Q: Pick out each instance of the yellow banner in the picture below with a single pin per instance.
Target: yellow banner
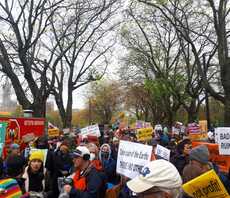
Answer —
(198, 136)
(144, 134)
(207, 185)
(53, 132)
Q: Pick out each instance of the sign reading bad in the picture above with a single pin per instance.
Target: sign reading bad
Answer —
(223, 134)
(132, 157)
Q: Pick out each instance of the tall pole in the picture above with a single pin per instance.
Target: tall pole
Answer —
(206, 96)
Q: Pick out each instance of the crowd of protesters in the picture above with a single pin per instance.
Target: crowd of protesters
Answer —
(79, 168)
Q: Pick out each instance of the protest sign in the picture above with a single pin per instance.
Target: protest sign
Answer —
(207, 185)
(91, 130)
(44, 151)
(203, 125)
(162, 152)
(223, 161)
(144, 134)
(223, 134)
(142, 124)
(195, 132)
(3, 126)
(53, 132)
(132, 157)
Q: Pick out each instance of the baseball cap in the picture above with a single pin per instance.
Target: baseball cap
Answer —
(80, 151)
(158, 173)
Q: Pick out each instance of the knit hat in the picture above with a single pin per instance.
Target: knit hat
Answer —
(37, 155)
(14, 146)
(158, 173)
(200, 154)
(14, 165)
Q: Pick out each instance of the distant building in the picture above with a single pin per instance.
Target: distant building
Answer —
(7, 104)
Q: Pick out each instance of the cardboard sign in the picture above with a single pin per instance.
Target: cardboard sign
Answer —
(194, 128)
(223, 161)
(207, 185)
(144, 134)
(142, 124)
(91, 130)
(203, 125)
(163, 152)
(53, 132)
(223, 134)
(132, 157)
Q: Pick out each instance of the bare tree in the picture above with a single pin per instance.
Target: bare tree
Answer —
(86, 28)
(22, 58)
(209, 20)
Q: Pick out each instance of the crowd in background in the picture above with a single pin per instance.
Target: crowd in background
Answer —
(77, 167)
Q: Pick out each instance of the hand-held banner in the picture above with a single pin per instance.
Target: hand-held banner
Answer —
(132, 157)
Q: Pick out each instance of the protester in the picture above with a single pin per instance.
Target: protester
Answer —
(94, 158)
(87, 182)
(14, 149)
(114, 148)
(108, 164)
(15, 169)
(62, 165)
(36, 177)
(199, 156)
(181, 158)
(158, 179)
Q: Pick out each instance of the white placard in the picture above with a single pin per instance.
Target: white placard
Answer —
(91, 130)
(162, 152)
(132, 157)
(223, 134)
(216, 136)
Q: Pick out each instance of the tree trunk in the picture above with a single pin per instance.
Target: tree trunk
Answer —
(61, 108)
(192, 111)
(39, 109)
(68, 118)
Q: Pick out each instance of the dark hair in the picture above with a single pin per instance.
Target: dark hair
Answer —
(180, 146)
(14, 165)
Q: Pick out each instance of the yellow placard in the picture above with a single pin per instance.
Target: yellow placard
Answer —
(208, 185)
(144, 134)
(53, 132)
(198, 136)
(203, 125)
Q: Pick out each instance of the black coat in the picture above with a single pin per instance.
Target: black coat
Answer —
(180, 161)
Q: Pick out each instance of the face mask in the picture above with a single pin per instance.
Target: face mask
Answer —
(92, 156)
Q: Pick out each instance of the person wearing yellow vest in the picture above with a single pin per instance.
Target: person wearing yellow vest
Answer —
(87, 182)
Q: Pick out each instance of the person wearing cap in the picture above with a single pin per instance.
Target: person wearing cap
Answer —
(158, 179)
(35, 175)
(199, 156)
(87, 182)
